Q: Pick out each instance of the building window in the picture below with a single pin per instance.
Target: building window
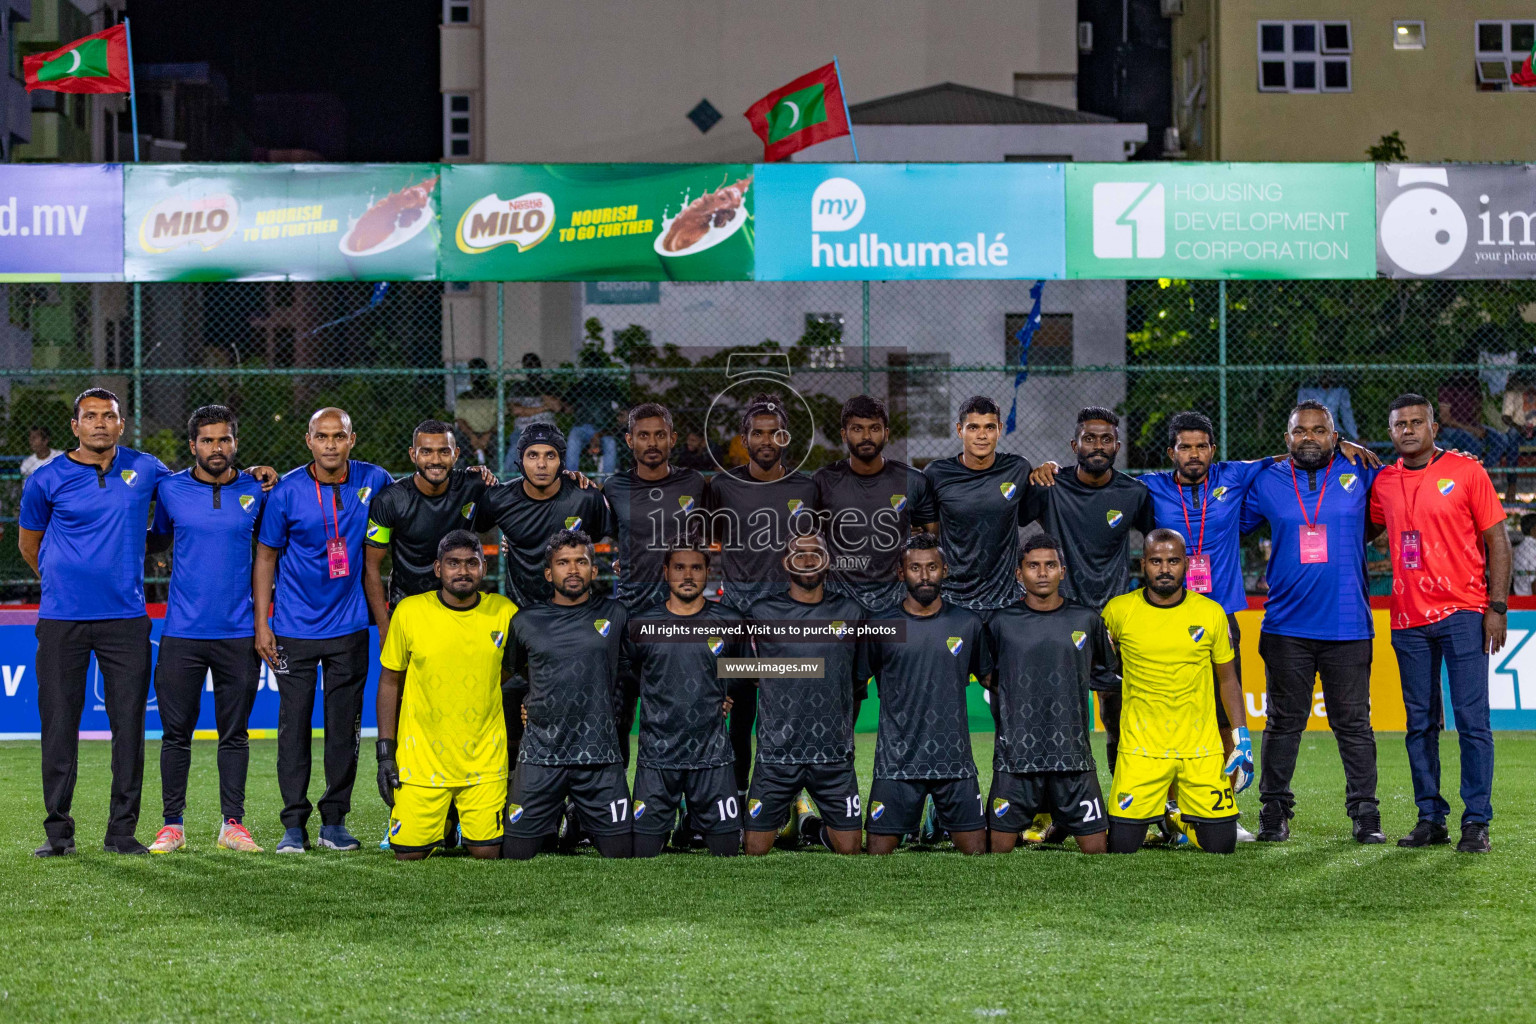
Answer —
(457, 12)
(1304, 56)
(918, 389)
(1502, 47)
(457, 118)
(1408, 35)
(1050, 350)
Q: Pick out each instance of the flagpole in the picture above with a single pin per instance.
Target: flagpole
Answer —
(133, 94)
(843, 93)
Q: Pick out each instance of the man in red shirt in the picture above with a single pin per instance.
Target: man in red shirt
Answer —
(1446, 528)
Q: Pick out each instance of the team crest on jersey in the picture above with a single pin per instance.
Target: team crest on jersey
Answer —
(468, 511)
(573, 522)
(1079, 638)
(716, 645)
(602, 626)
(1000, 807)
(514, 813)
(954, 644)
(1445, 486)
(1220, 494)
(130, 477)
(1197, 633)
(838, 627)
(898, 502)
(394, 826)
(246, 501)
(1009, 489)
(1124, 800)
(1113, 517)
(637, 809)
(364, 493)
(497, 636)
(1348, 481)
(685, 502)
(754, 808)
(876, 809)
(795, 504)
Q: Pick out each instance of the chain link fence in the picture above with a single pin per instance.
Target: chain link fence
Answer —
(489, 357)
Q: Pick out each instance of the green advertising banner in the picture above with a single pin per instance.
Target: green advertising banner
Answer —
(597, 222)
(297, 222)
(1149, 219)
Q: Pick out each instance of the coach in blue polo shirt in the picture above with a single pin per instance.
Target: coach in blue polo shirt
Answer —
(1317, 620)
(83, 519)
(311, 541)
(208, 516)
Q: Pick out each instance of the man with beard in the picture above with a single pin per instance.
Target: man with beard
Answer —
(869, 505)
(685, 754)
(1317, 619)
(1046, 650)
(83, 519)
(923, 748)
(805, 723)
(578, 649)
(442, 739)
(208, 515)
(1168, 639)
(752, 510)
(315, 522)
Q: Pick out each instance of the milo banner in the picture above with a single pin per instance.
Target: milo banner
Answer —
(61, 222)
(1214, 220)
(297, 222)
(1456, 220)
(597, 222)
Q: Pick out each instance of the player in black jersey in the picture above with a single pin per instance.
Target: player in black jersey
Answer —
(805, 722)
(923, 748)
(752, 509)
(1046, 651)
(979, 494)
(685, 754)
(578, 648)
(869, 505)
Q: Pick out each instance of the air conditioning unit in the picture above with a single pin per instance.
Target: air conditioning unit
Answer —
(1085, 37)
(1172, 8)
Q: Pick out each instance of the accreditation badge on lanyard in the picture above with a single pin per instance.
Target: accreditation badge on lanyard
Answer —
(1314, 534)
(1410, 543)
(1197, 573)
(335, 547)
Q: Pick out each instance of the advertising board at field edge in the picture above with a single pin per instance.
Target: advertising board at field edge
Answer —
(909, 222)
(293, 222)
(61, 222)
(1220, 220)
(598, 222)
(1456, 220)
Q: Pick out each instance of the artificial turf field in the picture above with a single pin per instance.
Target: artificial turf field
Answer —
(1318, 929)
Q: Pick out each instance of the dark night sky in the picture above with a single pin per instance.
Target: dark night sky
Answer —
(380, 57)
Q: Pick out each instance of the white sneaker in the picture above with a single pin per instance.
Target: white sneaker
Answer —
(169, 839)
(1244, 836)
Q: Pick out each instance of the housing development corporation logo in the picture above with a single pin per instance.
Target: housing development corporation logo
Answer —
(1129, 220)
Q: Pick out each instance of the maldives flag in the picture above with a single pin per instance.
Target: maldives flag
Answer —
(806, 111)
(1524, 76)
(97, 63)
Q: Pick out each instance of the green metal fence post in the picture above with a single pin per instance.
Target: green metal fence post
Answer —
(138, 364)
(864, 320)
(1221, 365)
(501, 399)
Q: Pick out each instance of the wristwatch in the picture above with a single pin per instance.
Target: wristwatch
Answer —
(1502, 607)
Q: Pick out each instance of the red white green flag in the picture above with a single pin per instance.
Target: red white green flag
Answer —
(1524, 76)
(97, 63)
(806, 111)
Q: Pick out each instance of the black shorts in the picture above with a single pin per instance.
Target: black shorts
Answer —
(600, 793)
(896, 805)
(713, 806)
(1072, 799)
(834, 788)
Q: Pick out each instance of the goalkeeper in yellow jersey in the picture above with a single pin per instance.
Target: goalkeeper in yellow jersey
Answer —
(442, 736)
(1168, 638)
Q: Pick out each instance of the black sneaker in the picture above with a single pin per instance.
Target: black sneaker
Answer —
(55, 848)
(1368, 828)
(1274, 826)
(124, 844)
(1426, 833)
(1474, 838)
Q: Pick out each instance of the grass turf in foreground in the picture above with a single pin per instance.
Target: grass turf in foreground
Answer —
(1317, 929)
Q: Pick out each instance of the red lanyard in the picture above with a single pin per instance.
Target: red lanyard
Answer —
(335, 523)
(1204, 487)
(1316, 512)
(1403, 472)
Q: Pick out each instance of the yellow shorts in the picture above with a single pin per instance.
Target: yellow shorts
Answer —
(421, 813)
(1139, 791)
